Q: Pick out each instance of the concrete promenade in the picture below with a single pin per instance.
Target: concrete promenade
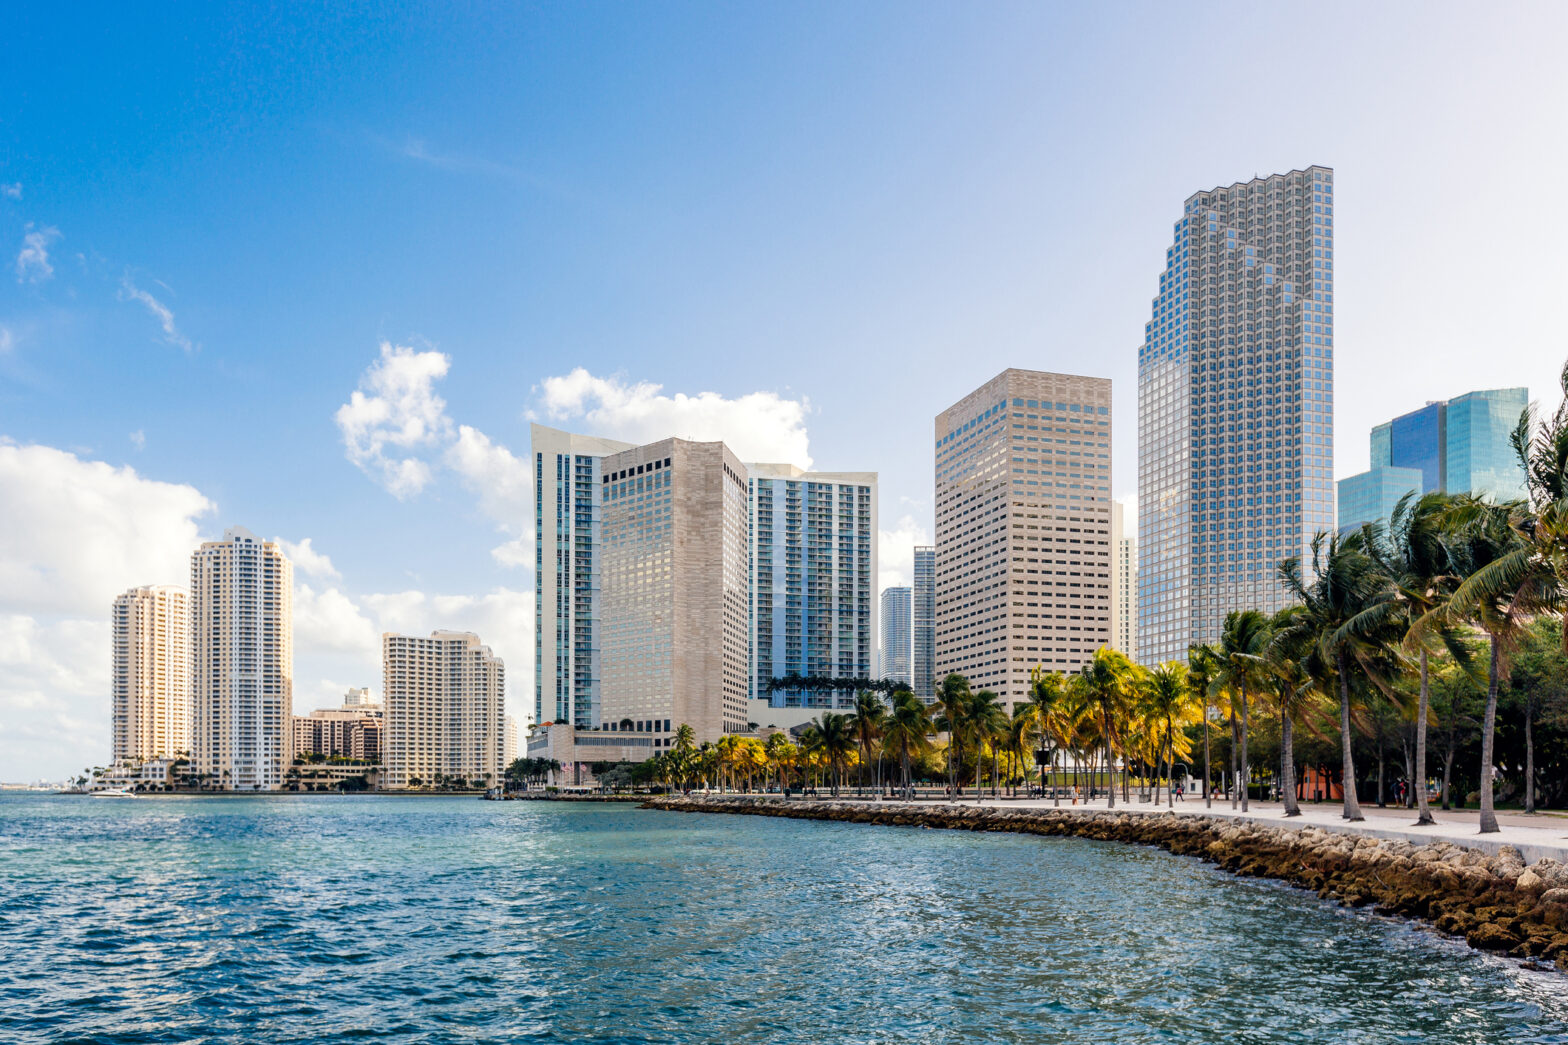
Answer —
(1536, 836)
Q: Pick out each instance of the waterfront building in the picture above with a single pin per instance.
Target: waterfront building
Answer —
(1235, 406)
(1124, 585)
(242, 628)
(567, 488)
(923, 615)
(351, 731)
(1023, 529)
(674, 598)
(445, 704)
(898, 651)
(150, 687)
(509, 743)
(139, 774)
(1458, 445)
(813, 566)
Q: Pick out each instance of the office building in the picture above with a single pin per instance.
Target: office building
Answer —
(1458, 445)
(567, 492)
(445, 705)
(923, 600)
(898, 648)
(1235, 406)
(242, 629)
(1124, 585)
(1023, 529)
(674, 596)
(813, 568)
(150, 705)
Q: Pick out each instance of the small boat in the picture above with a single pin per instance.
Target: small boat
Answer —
(113, 792)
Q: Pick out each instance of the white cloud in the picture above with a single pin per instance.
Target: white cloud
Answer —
(131, 292)
(7, 339)
(308, 560)
(32, 264)
(12, 191)
(501, 481)
(54, 695)
(330, 622)
(139, 439)
(759, 426)
(395, 408)
(75, 533)
(896, 553)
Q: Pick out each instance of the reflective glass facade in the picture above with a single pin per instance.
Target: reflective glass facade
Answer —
(1235, 406)
(923, 666)
(898, 647)
(1480, 457)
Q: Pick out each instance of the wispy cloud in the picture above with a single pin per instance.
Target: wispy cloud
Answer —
(11, 191)
(7, 339)
(138, 439)
(32, 264)
(129, 291)
(421, 151)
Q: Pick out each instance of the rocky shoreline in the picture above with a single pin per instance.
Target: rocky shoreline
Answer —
(1495, 902)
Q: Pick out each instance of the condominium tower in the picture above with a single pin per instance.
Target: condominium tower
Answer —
(813, 567)
(1235, 406)
(1124, 585)
(242, 635)
(898, 651)
(674, 601)
(923, 664)
(445, 709)
(151, 684)
(567, 486)
(1023, 529)
(1459, 445)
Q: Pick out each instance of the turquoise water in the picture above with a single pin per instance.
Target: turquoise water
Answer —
(316, 920)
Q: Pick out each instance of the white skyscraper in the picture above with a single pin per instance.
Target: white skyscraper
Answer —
(1124, 585)
(1235, 406)
(242, 627)
(445, 710)
(898, 648)
(151, 698)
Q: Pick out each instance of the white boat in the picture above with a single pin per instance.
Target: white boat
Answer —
(113, 792)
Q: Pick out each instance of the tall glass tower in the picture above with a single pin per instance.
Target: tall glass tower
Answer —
(923, 664)
(1235, 406)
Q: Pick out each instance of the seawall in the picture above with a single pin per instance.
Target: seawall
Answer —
(1492, 900)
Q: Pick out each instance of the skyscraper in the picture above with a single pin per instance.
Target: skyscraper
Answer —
(1124, 585)
(1235, 406)
(151, 697)
(813, 568)
(1459, 445)
(675, 581)
(445, 710)
(923, 665)
(897, 635)
(1023, 529)
(567, 491)
(242, 629)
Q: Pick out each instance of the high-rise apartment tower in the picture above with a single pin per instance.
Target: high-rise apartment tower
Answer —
(923, 665)
(1235, 406)
(242, 636)
(1124, 586)
(897, 635)
(445, 710)
(1023, 529)
(151, 698)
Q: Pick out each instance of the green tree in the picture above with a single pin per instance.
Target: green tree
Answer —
(1106, 682)
(952, 703)
(904, 734)
(1244, 639)
(866, 722)
(1168, 698)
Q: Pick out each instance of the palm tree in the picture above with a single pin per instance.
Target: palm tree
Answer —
(1020, 731)
(904, 734)
(1202, 663)
(1243, 640)
(988, 723)
(1345, 583)
(1047, 698)
(952, 700)
(1167, 698)
(685, 755)
(833, 740)
(1293, 675)
(1505, 586)
(866, 721)
(1105, 685)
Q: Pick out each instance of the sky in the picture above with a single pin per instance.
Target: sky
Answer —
(314, 273)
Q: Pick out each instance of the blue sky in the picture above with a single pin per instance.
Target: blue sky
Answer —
(833, 220)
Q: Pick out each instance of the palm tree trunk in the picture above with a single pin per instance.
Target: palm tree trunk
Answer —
(1110, 789)
(1208, 791)
(1448, 772)
(1418, 782)
(1529, 756)
(1287, 760)
(1246, 773)
(1488, 815)
(1170, 762)
(1235, 742)
(1352, 807)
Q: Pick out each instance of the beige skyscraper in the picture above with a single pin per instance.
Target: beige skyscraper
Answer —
(1124, 584)
(242, 628)
(151, 699)
(674, 600)
(1023, 529)
(445, 702)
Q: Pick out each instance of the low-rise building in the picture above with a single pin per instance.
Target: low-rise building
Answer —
(150, 774)
(351, 731)
(577, 749)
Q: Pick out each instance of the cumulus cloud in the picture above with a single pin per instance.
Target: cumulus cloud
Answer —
(758, 426)
(394, 414)
(896, 552)
(501, 482)
(32, 264)
(54, 695)
(129, 291)
(330, 622)
(308, 560)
